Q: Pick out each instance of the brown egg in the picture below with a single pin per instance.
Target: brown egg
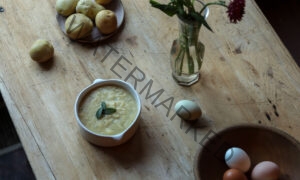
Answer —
(234, 174)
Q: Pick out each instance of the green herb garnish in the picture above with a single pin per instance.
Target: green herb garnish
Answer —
(109, 111)
(103, 110)
(103, 105)
(99, 113)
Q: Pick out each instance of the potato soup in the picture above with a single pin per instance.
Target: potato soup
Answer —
(114, 97)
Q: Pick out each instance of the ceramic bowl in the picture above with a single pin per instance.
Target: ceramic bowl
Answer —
(108, 140)
(259, 142)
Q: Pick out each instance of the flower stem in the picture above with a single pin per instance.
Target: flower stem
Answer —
(221, 3)
(179, 60)
(188, 38)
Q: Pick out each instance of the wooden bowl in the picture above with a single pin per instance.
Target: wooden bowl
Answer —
(261, 144)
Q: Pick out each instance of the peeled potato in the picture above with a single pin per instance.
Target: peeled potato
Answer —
(41, 50)
(66, 7)
(78, 26)
(103, 2)
(106, 21)
(88, 8)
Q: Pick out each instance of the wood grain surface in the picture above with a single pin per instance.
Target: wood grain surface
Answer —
(248, 76)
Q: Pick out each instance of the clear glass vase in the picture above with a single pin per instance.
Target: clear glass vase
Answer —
(187, 53)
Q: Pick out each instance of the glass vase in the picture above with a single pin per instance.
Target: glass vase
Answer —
(187, 53)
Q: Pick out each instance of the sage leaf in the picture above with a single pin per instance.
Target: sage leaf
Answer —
(99, 112)
(103, 110)
(103, 105)
(109, 111)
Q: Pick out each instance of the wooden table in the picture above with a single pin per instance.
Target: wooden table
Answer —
(248, 77)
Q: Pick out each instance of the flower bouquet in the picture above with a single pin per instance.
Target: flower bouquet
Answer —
(187, 52)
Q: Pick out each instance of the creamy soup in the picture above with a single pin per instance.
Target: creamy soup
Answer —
(114, 97)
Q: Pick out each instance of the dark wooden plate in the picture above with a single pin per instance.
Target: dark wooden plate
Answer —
(116, 6)
(261, 144)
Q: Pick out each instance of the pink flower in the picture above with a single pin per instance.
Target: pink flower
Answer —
(236, 10)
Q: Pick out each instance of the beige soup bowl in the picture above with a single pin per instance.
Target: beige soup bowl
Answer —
(108, 140)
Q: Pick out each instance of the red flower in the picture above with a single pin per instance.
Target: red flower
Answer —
(236, 10)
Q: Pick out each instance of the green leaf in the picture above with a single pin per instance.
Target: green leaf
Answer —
(99, 113)
(103, 110)
(103, 105)
(169, 9)
(201, 20)
(109, 111)
(207, 26)
(181, 12)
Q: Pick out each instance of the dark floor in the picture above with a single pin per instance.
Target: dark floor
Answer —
(13, 161)
(284, 16)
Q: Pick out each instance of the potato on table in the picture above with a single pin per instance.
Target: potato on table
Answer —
(41, 50)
